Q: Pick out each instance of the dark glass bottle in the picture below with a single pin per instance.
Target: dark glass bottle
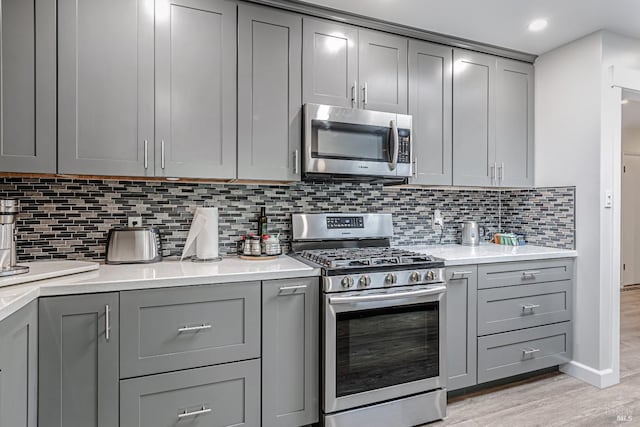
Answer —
(262, 222)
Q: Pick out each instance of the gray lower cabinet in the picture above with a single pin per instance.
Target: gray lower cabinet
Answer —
(220, 396)
(269, 93)
(524, 273)
(329, 63)
(462, 283)
(195, 89)
(19, 368)
(105, 87)
(78, 361)
(169, 329)
(430, 97)
(514, 123)
(290, 356)
(28, 86)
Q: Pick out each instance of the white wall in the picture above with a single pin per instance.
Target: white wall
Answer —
(631, 141)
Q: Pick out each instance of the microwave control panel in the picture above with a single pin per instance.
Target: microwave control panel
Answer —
(404, 146)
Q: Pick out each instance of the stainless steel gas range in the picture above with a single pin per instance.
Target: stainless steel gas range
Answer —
(383, 322)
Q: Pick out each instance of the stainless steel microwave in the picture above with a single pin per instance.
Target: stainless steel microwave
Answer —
(343, 143)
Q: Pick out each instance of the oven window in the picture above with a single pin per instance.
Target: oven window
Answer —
(386, 346)
(333, 140)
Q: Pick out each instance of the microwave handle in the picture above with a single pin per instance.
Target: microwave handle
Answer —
(396, 144)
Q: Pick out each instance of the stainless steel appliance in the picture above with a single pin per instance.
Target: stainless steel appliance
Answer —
(348, 143)
(471, 233)
(9, 209)
(133, 245)
(383, 316)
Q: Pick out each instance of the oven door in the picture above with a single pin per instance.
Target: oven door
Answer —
(383, 344)
(345, 141)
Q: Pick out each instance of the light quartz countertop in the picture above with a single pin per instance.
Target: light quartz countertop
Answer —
(490, 252)
(111, 278)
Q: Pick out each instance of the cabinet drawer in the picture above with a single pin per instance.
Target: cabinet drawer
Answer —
(524, 273)
(512, 353)
(224, 395)
(517, 307)
(178, 328)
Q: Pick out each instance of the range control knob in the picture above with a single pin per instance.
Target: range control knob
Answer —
(431, 275)
(364, 281)
(390, 279)
(415, 276)
(347, 282)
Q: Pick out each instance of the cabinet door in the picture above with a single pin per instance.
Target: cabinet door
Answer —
(383, 71)
(430, 95)
(196, 89)
(329, 63)
(290, 363)
(28, 86)
(269, 93)
(514, 123)
(474, 77)
(19, 368)
(105, 87)
(462, 283)
(78, 361)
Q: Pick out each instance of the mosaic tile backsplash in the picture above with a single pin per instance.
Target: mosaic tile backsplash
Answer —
(70, 218)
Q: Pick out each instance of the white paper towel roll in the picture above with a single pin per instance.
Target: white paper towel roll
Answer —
(202, 240)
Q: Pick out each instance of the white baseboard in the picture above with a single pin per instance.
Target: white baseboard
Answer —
(599, 378)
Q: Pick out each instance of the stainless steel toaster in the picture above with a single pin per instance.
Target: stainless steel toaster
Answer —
(133, 245)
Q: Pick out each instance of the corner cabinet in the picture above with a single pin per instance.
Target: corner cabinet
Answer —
(78, 361)
(430, 93)
(269, 93)
(19, 368)
(28, 86)
(290, 354)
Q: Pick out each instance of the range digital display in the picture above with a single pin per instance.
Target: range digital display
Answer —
(345, 222)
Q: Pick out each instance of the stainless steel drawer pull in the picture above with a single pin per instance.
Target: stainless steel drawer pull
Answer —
(296, 162)
(194, 328)
(186, 413)
(529, 351)
(107, 322)
(531, 307)
(292, 288)
(146, 154)
(460, 274)
(162, 154)
(529, 274)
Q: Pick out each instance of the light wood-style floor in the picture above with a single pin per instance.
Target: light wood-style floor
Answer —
(558, 399)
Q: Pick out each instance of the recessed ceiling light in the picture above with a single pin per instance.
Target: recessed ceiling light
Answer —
(624, 101)
(538, 24)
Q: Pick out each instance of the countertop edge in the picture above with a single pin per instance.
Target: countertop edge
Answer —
(508, 258)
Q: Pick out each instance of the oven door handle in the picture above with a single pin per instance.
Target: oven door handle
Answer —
(384, 297)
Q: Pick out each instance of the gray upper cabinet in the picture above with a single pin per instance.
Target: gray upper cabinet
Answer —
(462, 291)
(78, 361)
(330, 63)
(474, 110)
(105, 87)
(19, 368)
(514, 123)
(430, 96)
(196, 89)
(269, 93)
(290, 362)
(382, 71)
(28, 86)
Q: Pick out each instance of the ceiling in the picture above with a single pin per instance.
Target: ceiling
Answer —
(503, 22)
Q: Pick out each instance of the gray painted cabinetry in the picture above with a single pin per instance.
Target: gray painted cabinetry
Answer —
(269, 93)
(19, 368)
(290, 356)
(430, 97)
(78, 361)
(28, 86)
(462, 283)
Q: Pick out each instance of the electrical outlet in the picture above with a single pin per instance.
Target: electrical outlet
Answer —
(134, 221)
(438, 219)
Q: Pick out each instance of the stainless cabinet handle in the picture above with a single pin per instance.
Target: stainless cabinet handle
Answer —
(531, 307)
(354, 94)
(146, 154)
(529, 351)
(186, 413)
(415, 167)
(107, 322)
(461, 274)
(365, 95)
(492, 173)
(529, 274)
(195, 328)
(501, 173)
(296, 162)
(292, 288)
(162, 154)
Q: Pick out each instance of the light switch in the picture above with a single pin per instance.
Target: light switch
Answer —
(608, 199)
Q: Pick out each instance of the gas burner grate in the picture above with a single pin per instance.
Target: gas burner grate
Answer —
(364, 257)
